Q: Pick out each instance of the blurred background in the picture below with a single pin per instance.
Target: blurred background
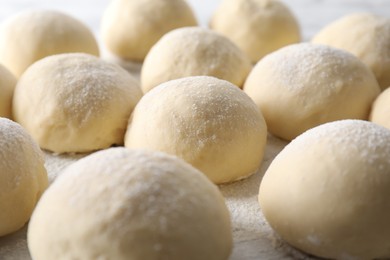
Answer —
(312, 14)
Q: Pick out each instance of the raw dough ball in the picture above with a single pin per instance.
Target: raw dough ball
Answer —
(123, 204)
(380, 113)
(131, 27)
(194, 51)
(33, 35)
(258, 27)
(7, 86)
(365, 35)
(23, 177)
(328, 191)
(304, 85)
(208, 122)
(75, 102)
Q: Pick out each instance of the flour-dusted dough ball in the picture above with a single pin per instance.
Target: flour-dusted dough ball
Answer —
(75, 102)
(365, 35)
(194, 51)
(122, 204)
(304, 85)
(131, 27)
(208, 122)
(328, 191)
(7, 86)
(380, 112)
(23, 177)
(258, 27)
(33, 35)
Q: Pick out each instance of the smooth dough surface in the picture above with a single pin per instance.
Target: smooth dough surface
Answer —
(194, 51)
(7, 86)
(127, 204)
(75, 102)
(258, 27)
(33, 35)
(328, 191)
(131, 28)
(365, 35)
(380, 112)
(208, 122)
(23, 177)
(304, 85)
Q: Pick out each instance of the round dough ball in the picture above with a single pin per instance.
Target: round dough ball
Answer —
(380, 113)
(23, 176)
(33, 35)
(258, 27)
(124, 204)
(304, 85)
(365, 35)
(328, 191)
(194, 51)
(75, 102)
(208, 122)
(7, 86)
(131, 27)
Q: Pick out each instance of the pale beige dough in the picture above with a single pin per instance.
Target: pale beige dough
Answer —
(208, 122)
(380, 113)
(129, 204)
(194, 51)
(32, 35)
(365, 35)
(7, 86)
(328, 191)
(304, 85)
(23, 177)
(131, 27)
(75, 102)
(258, 27)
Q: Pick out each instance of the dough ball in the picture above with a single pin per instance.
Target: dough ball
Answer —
(7, 86)
(208, 122)
(258, 27)
(380, 113)
(304, 85)
(124, 204)
(194, 51)
(365, 35)
(328, 192)
(131, 27)
(75, 102)
(33, 35)
(23, 176)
